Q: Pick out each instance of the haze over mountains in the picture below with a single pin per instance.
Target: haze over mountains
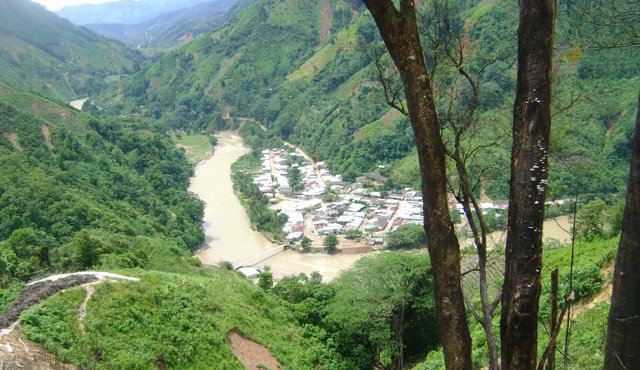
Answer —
(124, 12)
(171, 28)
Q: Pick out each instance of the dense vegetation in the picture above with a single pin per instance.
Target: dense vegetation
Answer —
(254, 201)
(45, 53)
(380, 312)
(167, 320)
(78, 191)
(329, 99)
(591, 259)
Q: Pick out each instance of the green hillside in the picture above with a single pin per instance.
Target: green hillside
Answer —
(237, 66)
(167, 320)
(78, 191)
(42, 52)
(271, 63)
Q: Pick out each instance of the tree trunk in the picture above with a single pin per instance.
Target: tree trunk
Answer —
(553, 317)
(623, 331)
(531, 126)
(399, 32)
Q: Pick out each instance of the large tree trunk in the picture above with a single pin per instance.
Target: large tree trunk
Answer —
(399, 31)
(531, 126)
(623, 331)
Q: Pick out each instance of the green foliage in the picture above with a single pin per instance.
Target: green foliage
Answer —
(196, 147)
(253, 200)
(330, 243)
(354, 322)
(9, 294)
(172, 320)
(495, 219)
(326, 98)
(407, 236)
(45, 53)
(295, 179)
(353, 234)
(597, 219)
(588, 330)
(54, 325)
(86, 194)
(226, 265)
(589, 259)
(265, 279)
(305, 243)
(383, 305)
(588, 338)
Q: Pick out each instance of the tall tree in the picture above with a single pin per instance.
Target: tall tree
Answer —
(455, 73)
(399, 30)
(623, 330)
(527, 187)
(609, 24)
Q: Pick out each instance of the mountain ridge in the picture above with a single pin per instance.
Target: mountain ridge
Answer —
(169, 29)
(42, 52)
(124, 11)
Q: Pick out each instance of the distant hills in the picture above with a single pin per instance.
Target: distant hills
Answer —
(42, 52)
(125, 12)
(168, 29)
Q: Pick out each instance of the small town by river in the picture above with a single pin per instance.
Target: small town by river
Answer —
(229, 236)
(228, 232)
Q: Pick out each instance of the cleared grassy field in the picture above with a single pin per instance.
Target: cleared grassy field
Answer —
(196, 147)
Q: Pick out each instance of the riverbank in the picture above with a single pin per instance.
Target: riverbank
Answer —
(228, 232)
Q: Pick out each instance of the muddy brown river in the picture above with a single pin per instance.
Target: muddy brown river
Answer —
(229, 236)
(228, 232)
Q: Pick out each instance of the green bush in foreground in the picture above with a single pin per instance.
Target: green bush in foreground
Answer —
(177, 321)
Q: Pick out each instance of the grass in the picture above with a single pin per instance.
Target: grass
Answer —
(484, 7)
(168, 320)
(344, 40)
(196, 147)
(586, 343)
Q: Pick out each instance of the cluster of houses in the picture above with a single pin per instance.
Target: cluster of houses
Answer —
(351, 206)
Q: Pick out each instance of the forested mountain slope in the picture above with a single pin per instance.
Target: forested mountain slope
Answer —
(305, 70)
(42, 52)
(78, 191)
(170, 29)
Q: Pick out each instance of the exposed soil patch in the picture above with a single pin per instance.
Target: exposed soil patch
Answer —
(47, 136)
(35, 293)
(325, 20)
(390, 117)
(13, 138)
(16, 352)
(603, 296)
(253, 355)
